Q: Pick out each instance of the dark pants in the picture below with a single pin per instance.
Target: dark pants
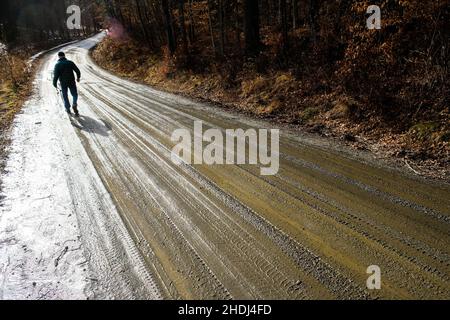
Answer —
(73, 91)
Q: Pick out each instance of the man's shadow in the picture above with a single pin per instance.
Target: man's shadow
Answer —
(87, 124)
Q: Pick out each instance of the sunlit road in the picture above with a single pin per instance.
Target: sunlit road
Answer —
(152, 229)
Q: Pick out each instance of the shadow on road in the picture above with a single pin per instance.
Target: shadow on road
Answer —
(88, 124)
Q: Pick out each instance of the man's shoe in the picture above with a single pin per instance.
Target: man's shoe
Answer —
(75, 110)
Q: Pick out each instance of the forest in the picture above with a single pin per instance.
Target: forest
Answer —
(43, 21)
(308, 63)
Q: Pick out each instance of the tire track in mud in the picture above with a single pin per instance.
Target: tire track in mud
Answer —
(161, 226)
(138, 96)
(334, 282)
(402, 247)
(226, 232)
(234, 243)
(382, 243)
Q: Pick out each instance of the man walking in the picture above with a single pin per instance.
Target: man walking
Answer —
(63, 72)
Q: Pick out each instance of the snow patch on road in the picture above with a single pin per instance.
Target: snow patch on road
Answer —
(41, 256)
(61, 235)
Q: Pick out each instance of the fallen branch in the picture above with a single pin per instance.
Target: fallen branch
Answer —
(60, 256)
(409, 166)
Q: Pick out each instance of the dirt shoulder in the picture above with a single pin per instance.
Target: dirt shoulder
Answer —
(422, 148)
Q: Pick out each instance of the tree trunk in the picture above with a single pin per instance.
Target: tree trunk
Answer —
(284, 25)
(142, 23)
(294, 14)
(251, 27)
(312, 18)
(183, 27)
(191, 23)
(211, 31)
(169, 31)
(222, 28)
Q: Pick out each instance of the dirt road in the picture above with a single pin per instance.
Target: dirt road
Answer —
(147, 228)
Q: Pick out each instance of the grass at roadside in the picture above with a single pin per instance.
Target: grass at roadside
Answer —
(11, 101)
(15, 87)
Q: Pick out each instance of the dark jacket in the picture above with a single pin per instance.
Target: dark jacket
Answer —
(63, 72)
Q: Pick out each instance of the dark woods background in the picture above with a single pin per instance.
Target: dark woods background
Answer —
(40, 21)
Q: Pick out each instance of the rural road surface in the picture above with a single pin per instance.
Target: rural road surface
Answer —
(95, 208)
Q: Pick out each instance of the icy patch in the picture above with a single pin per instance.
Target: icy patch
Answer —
(61, 236)
(40, 248)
